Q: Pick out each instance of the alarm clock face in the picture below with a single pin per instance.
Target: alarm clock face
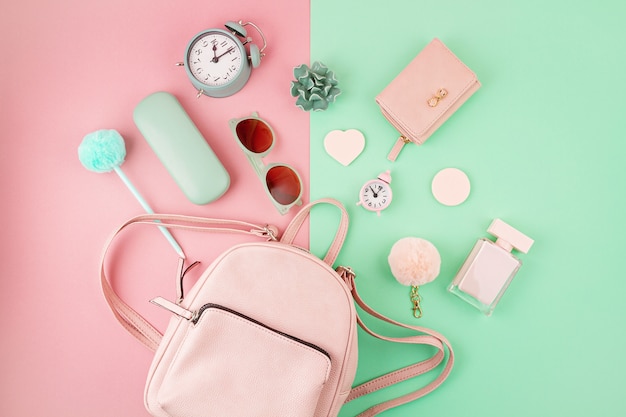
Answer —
(215, 58)
(375, 195)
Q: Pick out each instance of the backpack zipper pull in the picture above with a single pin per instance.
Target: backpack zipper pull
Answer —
(173, 308)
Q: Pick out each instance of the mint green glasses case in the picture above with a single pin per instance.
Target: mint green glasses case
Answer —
(182, 149)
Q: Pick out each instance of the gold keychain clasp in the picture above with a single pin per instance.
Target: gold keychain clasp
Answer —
(416, 300)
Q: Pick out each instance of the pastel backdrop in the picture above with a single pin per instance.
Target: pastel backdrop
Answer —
(70, 68)
(541, 143)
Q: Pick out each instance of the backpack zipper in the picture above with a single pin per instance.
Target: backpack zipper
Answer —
(258, 323)
(194, 317)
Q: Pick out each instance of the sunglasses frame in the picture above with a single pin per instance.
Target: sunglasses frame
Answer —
(260, 168)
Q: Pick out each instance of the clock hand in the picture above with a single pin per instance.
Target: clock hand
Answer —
(214, 53)
(229, 50)
(374, 192)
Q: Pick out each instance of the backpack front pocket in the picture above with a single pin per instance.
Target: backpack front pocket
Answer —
(229, 364)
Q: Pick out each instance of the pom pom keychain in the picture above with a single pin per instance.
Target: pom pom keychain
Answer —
(414, 262)
(104, 151)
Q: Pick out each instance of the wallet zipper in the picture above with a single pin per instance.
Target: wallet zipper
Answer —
(194, 317)
(401, 141)
(405, 137)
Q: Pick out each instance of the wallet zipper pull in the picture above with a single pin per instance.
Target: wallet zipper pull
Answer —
(173, 308)
(397, 147)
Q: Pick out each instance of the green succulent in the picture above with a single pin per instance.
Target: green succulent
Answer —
(315, 87)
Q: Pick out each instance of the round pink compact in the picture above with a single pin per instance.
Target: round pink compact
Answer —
(451, 186)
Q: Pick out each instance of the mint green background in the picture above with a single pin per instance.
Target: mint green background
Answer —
(542, 142)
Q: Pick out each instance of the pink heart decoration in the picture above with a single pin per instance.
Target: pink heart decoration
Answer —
(344, 146)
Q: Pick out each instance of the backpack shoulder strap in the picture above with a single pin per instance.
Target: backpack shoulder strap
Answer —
(132, 321)
(295, 225)
(425, 337)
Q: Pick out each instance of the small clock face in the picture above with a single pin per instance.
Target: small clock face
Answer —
(215, 59)
(375, 195)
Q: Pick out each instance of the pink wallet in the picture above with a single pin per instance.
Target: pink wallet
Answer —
(425, 93)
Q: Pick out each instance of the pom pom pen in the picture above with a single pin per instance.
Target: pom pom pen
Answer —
(414, 262)
(104, 151)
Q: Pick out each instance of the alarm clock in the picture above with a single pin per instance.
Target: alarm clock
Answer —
(375, 195)
(217, 62)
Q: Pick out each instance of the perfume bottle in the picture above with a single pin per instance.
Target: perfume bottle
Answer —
(490, 267)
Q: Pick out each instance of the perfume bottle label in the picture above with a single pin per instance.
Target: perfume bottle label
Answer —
(488, 272)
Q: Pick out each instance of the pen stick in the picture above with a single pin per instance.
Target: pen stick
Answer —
(104, 151)
(148, 210)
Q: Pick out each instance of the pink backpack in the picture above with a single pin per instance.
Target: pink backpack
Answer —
(267, 330)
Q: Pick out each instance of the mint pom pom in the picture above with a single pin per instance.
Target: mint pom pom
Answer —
(102, 150)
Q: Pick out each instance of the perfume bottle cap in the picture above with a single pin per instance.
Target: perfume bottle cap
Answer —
(509, 237)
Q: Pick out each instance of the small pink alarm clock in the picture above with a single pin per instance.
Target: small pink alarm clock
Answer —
(375, 195)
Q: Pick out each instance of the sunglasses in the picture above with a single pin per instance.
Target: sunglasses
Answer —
(282, 183)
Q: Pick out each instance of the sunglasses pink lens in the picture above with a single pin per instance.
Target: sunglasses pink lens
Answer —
(255, 135)
(283, 184)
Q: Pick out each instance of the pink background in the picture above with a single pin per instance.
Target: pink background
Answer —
(72, 67)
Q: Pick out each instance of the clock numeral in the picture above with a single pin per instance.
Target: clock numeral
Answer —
(224, 43)
(197, 51)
